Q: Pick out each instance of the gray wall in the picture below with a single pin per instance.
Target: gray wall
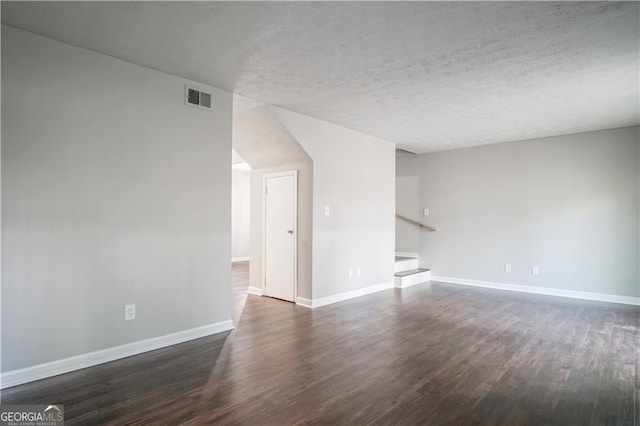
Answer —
(567, 204)
(113, 192)
(353, 174)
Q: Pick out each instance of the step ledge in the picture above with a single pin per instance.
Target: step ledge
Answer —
(411, 280)
(411, 272)
(406, 254)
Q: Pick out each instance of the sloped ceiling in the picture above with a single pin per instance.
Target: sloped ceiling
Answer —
(262, 140)
(425, 75)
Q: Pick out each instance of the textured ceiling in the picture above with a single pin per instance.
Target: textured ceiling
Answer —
(426, 75)
(263, 141)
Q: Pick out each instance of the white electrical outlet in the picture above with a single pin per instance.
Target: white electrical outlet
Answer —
(535, 270)
(425, 212)
(327, 210)
(507, 267)
(350, 272)
(129, 312)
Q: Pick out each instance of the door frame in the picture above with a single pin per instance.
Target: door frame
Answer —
(265, 177)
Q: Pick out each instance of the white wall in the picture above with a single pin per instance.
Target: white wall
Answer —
(113, 192)
(240, 212)
(353, 174)
(567, 204)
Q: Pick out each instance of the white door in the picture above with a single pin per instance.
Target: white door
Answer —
(280, 214)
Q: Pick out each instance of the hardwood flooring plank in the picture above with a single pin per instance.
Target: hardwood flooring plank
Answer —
(434, 354)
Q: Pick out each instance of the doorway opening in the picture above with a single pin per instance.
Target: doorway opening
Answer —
(240, 232)
(280, 235)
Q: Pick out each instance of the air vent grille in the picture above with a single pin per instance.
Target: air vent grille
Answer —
(197, 98)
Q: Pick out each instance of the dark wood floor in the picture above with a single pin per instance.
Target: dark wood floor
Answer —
(239, 287)
(436, 354)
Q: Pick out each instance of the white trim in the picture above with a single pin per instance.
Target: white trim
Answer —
(406, 254)
(304, 302)
(266, 176)
(257, 291)
(405, 264)
(240, 259)
(323, 301)
(65, 365)
(600, 297)
(413, 279)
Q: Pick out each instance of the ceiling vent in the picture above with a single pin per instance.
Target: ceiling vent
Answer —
(197, 98)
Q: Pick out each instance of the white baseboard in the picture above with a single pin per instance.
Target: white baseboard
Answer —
(240, 259)
(53, 368)
(600, 297)
(304, 302)
(255, 291)
(322, 301)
